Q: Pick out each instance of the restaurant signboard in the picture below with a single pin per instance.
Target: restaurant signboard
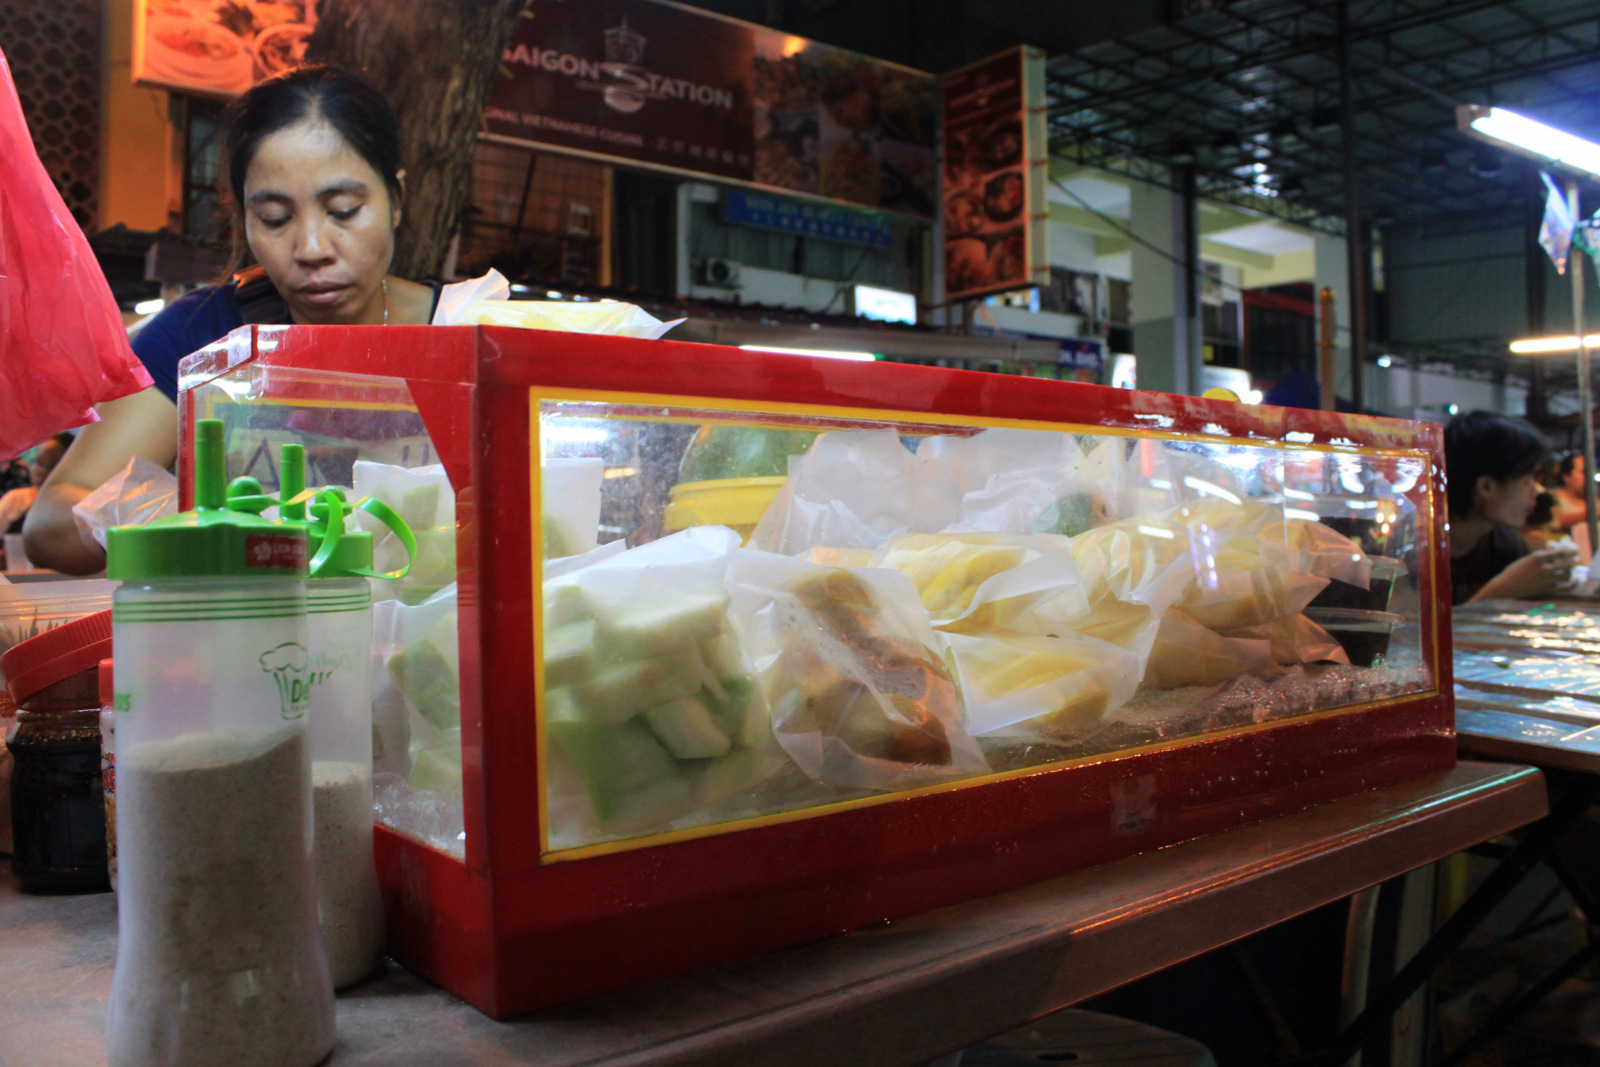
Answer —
(996, 233)
(655, 84)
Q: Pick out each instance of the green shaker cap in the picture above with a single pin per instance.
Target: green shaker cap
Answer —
(212, 540)
(340, 550)
(349, 555)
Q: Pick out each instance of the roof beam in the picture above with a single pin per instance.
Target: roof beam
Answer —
(1209, 249)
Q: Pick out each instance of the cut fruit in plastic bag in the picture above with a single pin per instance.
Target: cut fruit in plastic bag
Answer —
(1040, 686)
(1004, 481)
(63, 348)
(570, 512)
(1296, 640)
(1187, 653)
(976, 582)
(851, 490)
(422, 496)
(612, 317)
(649, 695)
(861, 697)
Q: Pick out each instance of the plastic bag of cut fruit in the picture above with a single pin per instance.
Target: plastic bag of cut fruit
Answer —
(652, 710)
(860, 693)
(63, 348)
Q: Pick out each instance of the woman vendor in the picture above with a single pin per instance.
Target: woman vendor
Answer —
(1492, 466)
(313, 164)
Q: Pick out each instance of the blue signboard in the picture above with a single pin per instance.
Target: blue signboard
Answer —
(806, 220)
(1082, 352)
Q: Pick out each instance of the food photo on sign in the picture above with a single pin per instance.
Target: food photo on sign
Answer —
(987, 174)
(219, 47)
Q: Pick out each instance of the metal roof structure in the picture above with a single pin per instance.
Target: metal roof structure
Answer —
(1247, 94)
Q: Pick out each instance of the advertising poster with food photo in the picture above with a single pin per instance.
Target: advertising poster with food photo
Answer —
(672, 87)
(218, 47)
(994, 237)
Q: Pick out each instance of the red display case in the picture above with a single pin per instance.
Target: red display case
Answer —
(519, 910)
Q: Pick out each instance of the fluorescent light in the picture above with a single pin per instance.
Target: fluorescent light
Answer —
(621, 472)
(1529, 136)
(1205, 488)
(1532, 346)
(1156, 531)
(149, 307)
(552, 294)
(1298, 513)
(859, 357)
(1454, 409)
(1386, 362)
(1297, 494)
(1253, 396)
(1160, 483)
(575, 435)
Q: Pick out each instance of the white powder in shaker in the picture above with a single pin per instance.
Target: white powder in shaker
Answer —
(348, 902)
(218, 961)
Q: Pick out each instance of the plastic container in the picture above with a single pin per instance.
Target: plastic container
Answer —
(735, 502)
(108, 764)
(29, 610)
(1381, 527)
(57, 814)
(1364, 635)
(218, 955)
(1385, 573)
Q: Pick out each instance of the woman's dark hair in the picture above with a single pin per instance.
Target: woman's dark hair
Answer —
(1487, 443)
(1567, 463)
(344, 101)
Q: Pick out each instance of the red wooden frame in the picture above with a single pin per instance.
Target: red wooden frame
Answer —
(509, 933)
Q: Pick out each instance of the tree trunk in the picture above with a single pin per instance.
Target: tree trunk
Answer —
(436, 62)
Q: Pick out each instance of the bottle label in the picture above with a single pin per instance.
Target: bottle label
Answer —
(275, 552)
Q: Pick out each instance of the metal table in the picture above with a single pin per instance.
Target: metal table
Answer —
(893, 996)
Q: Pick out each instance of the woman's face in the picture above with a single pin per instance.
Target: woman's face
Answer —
(321, 223)
(1573, 482)
(1507, 502)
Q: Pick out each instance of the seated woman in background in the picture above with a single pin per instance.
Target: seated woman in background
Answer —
(1570, 509)
(315, 184)
(1492, 465)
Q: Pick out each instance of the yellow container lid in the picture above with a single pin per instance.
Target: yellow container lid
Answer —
(738, 502)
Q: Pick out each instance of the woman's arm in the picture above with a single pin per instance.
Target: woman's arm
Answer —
(1570, 510)
(144, 424)
(1538, 574)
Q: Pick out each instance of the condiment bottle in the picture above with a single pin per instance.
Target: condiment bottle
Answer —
(218, 956)
(339, 625)
(108, 764)
(57, 815)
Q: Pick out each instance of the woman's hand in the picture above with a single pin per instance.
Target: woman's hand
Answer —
(144, 424)
(1538, 574)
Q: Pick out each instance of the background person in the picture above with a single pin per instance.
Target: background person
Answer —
(1492, 465)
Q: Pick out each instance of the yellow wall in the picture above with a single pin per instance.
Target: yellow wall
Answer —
(135, 134)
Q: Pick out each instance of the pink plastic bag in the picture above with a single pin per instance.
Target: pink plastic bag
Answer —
(63, 348)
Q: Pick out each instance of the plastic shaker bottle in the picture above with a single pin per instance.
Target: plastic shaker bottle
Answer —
(339, 625)
(218, 956)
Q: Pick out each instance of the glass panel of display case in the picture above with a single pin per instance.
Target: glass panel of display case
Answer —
(364, 433)
(752, 615)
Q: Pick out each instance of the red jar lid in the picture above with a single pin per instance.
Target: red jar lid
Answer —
(107, 691)
(56, 654)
